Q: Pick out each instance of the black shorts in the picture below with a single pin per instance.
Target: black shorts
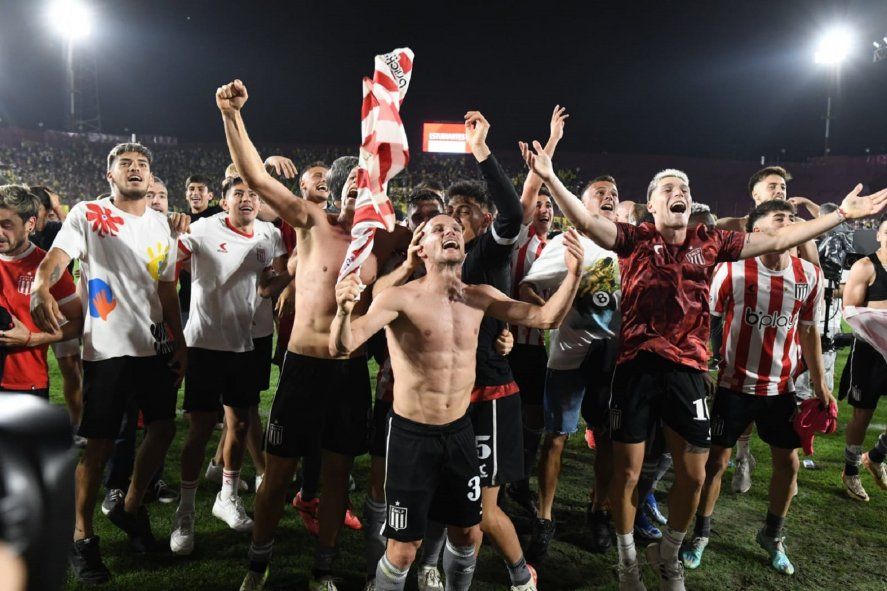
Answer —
(498, 432)
(648, 389)
(320, 403)
(732, 413)
(597, 368)
(528, 365)
(379, 427)
(215, 377)
(864, 380)
(263, 349)
(431, 473)
(111, 385)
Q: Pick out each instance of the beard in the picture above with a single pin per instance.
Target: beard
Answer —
(132, 194)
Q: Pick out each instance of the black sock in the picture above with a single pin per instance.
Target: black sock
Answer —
(703, 526)
(773, 525)
(880, 450)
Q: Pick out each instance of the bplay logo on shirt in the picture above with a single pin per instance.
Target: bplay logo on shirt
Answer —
(101, 299)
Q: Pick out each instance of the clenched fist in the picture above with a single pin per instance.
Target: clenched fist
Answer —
(348, 292)
(231, 97)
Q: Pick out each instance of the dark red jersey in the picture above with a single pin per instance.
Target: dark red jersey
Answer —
(665, 289)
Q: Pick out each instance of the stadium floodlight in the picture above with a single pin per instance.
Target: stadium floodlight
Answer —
(834, 47)
(72, 19)
(876, 44)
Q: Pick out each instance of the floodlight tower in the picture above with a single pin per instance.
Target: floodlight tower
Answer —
(73, 20)
(833, 49)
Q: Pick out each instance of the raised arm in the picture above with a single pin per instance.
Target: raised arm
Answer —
(598, 228)
(551, 313)
(347, 335)
(509, 220)
(853, 207)
(230, 98)
(533, 182)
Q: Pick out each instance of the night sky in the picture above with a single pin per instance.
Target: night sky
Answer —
(722, 79)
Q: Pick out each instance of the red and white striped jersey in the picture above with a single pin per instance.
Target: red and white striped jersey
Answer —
(761, 309)
(526, 250)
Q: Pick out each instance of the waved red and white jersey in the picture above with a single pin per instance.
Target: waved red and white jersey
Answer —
(761, 309)
(526, 250)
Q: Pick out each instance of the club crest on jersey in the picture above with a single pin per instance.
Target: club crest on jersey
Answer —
(694, 257)
(397, 517)
(24, 284)
(261, 255)
(801, 291)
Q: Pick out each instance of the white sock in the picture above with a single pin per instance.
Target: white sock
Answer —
(742, 445)
(625, 546)
(230, 481)
(187, 492)
(671, 543)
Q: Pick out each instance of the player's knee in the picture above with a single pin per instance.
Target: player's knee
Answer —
(555, 442)
(716, 465)
(465, 536)
(402, 554)
(163, 430)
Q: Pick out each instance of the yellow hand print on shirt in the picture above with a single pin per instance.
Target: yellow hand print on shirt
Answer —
(157, 260)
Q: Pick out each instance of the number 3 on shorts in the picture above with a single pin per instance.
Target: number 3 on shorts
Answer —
(701, 410)
(474, 489)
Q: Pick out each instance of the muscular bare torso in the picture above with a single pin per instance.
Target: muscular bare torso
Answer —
(322, 249)
(432, 345)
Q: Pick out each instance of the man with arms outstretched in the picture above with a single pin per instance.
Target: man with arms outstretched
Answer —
(432, 469)
(666, 270)
(321, 400)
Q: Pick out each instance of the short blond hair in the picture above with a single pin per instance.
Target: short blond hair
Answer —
(666, 173)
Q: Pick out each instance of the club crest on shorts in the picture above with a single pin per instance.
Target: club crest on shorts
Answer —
(615, 419)
(275, 434)
(397, 517)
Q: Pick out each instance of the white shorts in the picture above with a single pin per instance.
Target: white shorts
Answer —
(67, 348)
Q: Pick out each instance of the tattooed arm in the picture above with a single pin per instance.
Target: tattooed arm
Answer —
(44, 309)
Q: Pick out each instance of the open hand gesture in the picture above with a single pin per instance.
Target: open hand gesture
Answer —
(855, 206)
(231, 97)
(537, 160)
(558, 119)
(574, 253)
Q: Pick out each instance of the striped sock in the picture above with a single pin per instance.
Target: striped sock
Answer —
(670, 544)
(879, 452)
(187, 492)
(852, 458)
(230, 481)
(625, 546)
(260, 555)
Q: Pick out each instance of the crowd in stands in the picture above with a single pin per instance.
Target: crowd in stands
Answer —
(74, 168)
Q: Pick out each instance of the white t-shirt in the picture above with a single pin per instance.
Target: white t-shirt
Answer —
(595, 311)
(263, 320)
(122, 257)
(225, 268)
